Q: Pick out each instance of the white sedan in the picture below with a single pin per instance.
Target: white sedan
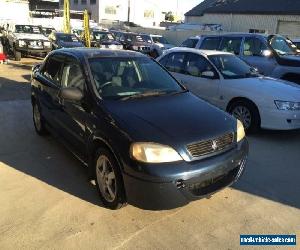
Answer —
(229, 83)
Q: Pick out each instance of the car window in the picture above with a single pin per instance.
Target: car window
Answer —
(211, 43)
(116, 78)
(163, 61)
(196, 65)
(254, 47)
(176, 62)
(52, 69)
(189, 43)
(72, 76)
(231, 45)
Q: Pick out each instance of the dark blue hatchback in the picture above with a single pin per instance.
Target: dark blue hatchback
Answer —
(145, 139)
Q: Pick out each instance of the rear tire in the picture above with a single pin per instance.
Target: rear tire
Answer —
(247, 113)
(109, 180)
(38, 121)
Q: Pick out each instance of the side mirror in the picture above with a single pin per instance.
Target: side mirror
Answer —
(208, 74)
(267, 53)
(71, 94)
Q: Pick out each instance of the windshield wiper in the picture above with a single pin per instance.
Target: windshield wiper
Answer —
(146, 94)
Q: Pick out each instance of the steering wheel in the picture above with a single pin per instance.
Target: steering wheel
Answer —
(104, 85)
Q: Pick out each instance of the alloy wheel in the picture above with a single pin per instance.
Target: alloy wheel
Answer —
(243, 114)
(106, 178)
(37, 117)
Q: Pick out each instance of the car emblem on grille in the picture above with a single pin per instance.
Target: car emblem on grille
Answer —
(214, 145)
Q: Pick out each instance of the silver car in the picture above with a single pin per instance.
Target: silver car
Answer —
(272, 55)
(229, 83)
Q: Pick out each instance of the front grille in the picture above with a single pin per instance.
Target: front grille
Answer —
(210, 146)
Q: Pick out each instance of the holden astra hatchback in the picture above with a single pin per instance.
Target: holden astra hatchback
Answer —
(229, 83)
(144, 138)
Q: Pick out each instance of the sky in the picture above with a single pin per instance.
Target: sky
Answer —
(183, 5)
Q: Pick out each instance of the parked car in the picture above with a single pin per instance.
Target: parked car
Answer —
(144, 138)
(104, 39)
(158, 44)
(27, 39)
(229, 83)
(64, 40)
(297, 43)
(272, 55)
(133, 41)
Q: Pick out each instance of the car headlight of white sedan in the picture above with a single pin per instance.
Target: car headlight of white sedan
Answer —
(286, 105)
(240, 131)
(21, 43)
(153, 153)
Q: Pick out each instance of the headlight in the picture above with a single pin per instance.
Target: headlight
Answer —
(21, 43)
(135, 47)
(240, 131)
(285, 105)
(153, 153)
(47, 44)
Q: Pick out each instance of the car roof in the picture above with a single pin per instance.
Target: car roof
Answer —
(156, 35)
(198, 51)
(231, 35)
(96, 52)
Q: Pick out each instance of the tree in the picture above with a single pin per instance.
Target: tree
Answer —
(169, 16)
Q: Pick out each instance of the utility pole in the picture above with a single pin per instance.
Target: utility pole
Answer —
(128, 14)
(67, 25)
(86, 25)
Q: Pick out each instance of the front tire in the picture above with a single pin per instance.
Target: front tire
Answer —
(247, 113)
(109, 180)
(38, 121)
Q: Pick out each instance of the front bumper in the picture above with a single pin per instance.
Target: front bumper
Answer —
(189, 181)
(34, 50)
(280, 119)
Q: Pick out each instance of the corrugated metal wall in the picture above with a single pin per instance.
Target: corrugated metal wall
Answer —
(242, 23)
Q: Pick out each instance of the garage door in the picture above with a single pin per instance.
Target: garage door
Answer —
(291, 29)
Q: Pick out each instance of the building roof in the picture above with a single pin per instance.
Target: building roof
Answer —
(265, 7)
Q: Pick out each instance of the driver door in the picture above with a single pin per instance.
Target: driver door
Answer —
(252, 53)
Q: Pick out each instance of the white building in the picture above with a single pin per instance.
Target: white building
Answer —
(142, 12)
(16, 11)
(264, 16)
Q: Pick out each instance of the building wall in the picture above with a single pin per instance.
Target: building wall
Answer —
(242, 23)
(20, 13)
(143, 12)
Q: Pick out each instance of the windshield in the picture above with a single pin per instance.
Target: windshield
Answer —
(30, 29)
(282, 46)
(231, 67)
(160, 39)
(67, 38)
(103, 36)
(47, 31)
(117, 78)
(133, 38)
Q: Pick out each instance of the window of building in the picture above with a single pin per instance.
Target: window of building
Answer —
(83, 1)
(111, 10)
(149, 14)
(257, 31)
(93, 1)
(76, 2)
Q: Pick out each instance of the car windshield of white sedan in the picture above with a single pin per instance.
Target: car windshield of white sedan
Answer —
(125, 78)
(29, 29)
(282, 46)
(231, 67)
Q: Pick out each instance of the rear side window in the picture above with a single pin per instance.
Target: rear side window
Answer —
(211, 43)
(231, 45)
(254, 47)
(176, 63)
(52, 69)
(72, 76)
(164, 60)
(189, 43)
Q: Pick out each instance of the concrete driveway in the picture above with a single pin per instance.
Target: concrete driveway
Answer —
(46, 201)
